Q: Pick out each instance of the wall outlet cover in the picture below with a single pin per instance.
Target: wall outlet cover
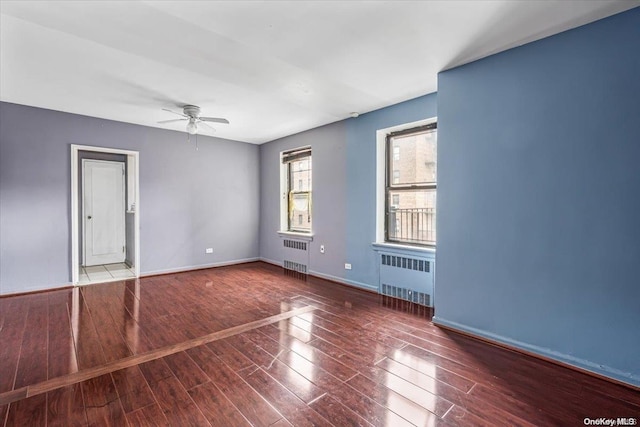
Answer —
(347, 266)
(208, 250)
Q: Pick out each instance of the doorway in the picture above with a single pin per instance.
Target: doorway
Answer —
(103, 231)
(105, 214)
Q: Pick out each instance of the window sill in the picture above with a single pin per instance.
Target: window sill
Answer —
(395, 247)
(295, 235)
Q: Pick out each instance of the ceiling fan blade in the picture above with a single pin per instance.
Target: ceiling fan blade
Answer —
(173, 112)
(207, 126)
(214, 120)
(172, 120)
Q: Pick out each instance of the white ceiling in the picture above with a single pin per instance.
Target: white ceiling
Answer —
(273, 68)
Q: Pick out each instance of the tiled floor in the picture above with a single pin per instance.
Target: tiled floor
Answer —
(105, 273)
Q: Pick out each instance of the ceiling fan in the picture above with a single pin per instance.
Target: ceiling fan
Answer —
(191, 113)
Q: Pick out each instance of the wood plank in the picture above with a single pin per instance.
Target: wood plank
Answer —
(426, 367)
(296, 382)
(13, 395)
(309, 370)
(366, 407)
(404, 404)
(149, 416)
(343, 355)
(313, 355)
(215, 406)
(155, 370)
(459, 417)
(101, 401)
(229, 355)
(293, 330)
(32, 367)
(62, 358)
(113, 344)
(4, 409)
(176, 404)
(254, 353)
(28, 412)
(133, 389)
(111, 414)
(252, 406)
(282, 422)
(186, 370)
(11, 336)
(88, 347)
(418, 379)
(99, 391)
(65, 407)
(337, 413)
(283, 400)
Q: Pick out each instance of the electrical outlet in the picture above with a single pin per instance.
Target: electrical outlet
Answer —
(321, 249)
(208, 251)
(347, 266)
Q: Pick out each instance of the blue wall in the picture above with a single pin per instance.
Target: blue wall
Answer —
(539, 197)
(361, 181)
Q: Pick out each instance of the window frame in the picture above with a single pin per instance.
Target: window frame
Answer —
(390, 185)
(288, 224)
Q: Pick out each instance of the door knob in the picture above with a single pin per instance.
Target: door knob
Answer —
(89, 217)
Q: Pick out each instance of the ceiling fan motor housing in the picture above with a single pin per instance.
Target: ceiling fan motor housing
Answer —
(191, 111)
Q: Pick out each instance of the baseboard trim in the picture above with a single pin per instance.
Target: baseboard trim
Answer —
(198, 267)
(145, 274)
(351, 283)
(341, 281)
(270, 261)
(36, 291)
(576, 364)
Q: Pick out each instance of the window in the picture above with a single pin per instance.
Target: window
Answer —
(411, 183)
(396, 153)
(296, 166)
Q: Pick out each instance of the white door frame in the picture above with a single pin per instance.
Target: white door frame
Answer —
(132, 174)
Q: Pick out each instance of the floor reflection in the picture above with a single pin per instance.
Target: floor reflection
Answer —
(406, 306)
(355, 357)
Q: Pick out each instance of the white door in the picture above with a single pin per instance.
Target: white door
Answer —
(103, 212)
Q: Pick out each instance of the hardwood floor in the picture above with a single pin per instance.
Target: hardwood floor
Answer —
(250, 345)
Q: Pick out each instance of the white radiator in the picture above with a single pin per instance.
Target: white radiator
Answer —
(407, 277)
(295, 255)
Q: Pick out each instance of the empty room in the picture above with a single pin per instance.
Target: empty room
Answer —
(320, 213)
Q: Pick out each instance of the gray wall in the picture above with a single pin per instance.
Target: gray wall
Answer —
(539, 197)
(189, 199)
(328, 145)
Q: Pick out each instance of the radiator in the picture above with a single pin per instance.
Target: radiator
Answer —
(295, 255)
(407, 277)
